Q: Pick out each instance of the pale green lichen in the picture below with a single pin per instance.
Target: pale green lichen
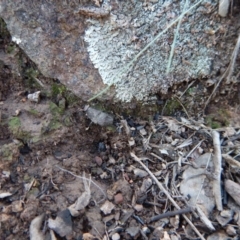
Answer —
(113, 42)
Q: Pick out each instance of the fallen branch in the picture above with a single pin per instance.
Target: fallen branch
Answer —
(217, 161)
(167, 194)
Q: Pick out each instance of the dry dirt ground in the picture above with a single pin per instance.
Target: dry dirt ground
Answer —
(64, 177)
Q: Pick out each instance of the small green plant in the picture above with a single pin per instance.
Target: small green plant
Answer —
(58, 89)
(55, 110)
(14, 125)
(190, 91)
(34, 112)
(10, 48)
(172, 106)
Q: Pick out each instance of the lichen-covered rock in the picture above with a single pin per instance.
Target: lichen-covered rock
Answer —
(88, 47)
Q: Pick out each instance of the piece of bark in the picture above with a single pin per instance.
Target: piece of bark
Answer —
(204, 218)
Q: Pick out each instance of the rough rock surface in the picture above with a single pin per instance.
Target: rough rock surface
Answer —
(86, 46)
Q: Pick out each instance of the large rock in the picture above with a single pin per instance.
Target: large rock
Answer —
(88, 47)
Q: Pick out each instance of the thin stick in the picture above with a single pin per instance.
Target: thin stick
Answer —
(233, 60)
(158, 157)
(84, 178)
(166, 193)
(228, 71)
(190, 84)
(230, 160)
(175, 40)
(127, 67)
(217, 160)
(185, 110)
(193, 149)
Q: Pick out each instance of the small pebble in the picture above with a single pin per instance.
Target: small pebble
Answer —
(111, 160)
(17, 112)
(118, 198)
(115, 236)
(101, 147)
(133, 231)
(146, 230)
(34, 97)
(98, 160)
(17, 206)
(140, 173)
(143, 131)
(107, 207)
(131, 142)
(138, 207)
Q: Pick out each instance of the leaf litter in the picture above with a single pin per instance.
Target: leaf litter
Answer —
(174, 170)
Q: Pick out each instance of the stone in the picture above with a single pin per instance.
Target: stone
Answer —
(98, 160)
(118, 198)
(99, 117)
(17, 206)
(34, 97)
(107, 207)
(133, 231)
(62, 225)
(138, 207)
(115, 236)
(139, 173)
(89, 47)
(95, 221)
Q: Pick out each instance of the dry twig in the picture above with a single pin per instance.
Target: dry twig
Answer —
(230, 160)
(217, 161)
(84, 178)
(166, 193)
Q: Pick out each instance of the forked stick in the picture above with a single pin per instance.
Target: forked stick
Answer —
(166, 193)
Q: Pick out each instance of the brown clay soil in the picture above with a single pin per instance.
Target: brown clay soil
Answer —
(45, 151)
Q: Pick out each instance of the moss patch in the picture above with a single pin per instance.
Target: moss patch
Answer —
(34, 112)
(9, 152)
(14, 125)
(58, 89)
(55, 110)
